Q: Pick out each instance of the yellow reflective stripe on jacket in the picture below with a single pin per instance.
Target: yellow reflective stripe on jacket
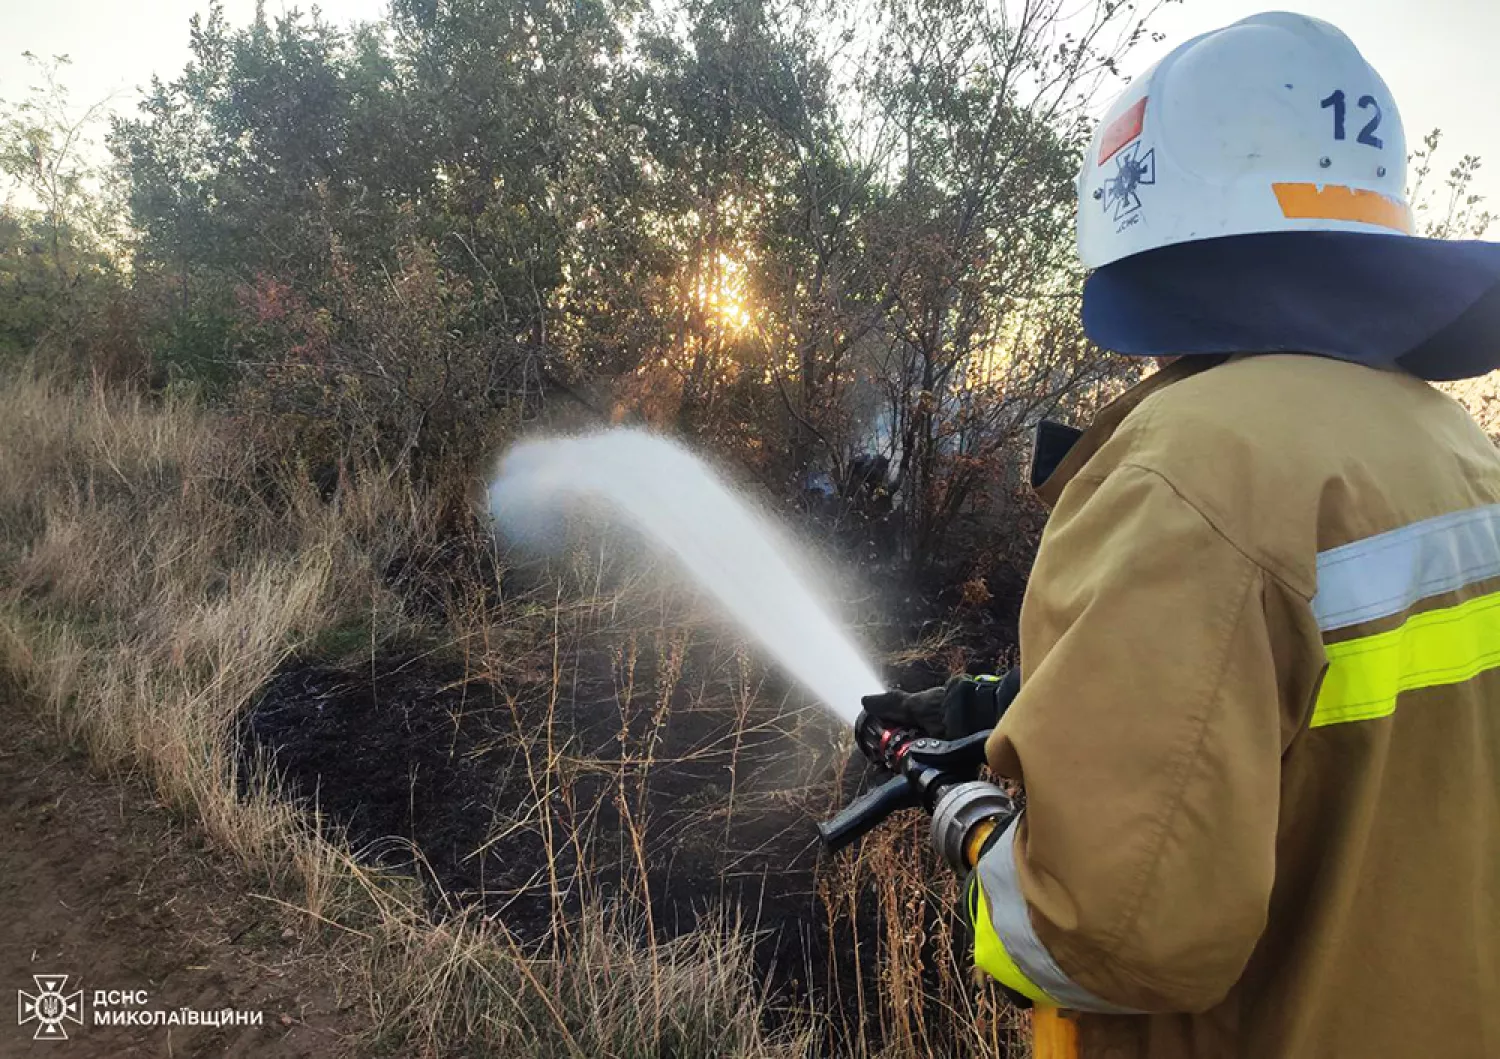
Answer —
(1446, 646)
(1387, 574)
(1006, 946)
(989, 951)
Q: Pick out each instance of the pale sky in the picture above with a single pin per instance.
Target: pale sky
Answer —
(1438, 56)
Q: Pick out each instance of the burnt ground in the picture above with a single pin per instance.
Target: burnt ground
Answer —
(668, 754)
(99, 882)
(425, 767)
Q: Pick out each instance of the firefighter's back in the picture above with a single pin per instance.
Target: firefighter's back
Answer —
(1377, 499)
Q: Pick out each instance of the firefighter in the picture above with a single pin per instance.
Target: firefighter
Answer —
(1258, 718)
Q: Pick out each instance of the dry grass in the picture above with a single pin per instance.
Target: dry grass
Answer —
(599, 992)
(159, 570)
(160, 567)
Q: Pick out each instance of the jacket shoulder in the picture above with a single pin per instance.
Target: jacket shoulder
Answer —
(1286, 455)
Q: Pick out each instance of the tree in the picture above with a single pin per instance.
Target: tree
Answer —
(1458, 214)
(292, 155)
(979, 122)
(58, 227)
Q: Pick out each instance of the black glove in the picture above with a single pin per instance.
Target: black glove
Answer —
(961, 707)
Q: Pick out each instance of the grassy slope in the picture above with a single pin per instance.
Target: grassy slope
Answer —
(156, 575)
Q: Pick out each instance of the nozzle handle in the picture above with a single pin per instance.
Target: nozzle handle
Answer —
(866, 812)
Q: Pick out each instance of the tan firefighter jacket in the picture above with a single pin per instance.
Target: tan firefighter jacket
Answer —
(1259, 725)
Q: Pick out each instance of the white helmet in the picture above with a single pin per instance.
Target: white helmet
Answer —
(1273, 124)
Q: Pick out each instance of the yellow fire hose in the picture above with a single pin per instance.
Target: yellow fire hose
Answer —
(1054, 1035)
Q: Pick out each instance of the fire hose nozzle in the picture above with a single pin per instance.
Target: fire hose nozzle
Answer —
(921, 771)
(883, 745)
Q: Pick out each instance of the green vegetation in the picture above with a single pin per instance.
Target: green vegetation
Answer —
(798, 234)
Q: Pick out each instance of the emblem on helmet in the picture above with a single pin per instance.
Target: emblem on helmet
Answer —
(1134, 170)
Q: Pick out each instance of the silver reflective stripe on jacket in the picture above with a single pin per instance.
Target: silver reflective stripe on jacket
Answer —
(1012, 922)
(1384, 575)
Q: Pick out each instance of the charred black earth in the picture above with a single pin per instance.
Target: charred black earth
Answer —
(426, 768)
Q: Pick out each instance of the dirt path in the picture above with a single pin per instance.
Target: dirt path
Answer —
(102, 885)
